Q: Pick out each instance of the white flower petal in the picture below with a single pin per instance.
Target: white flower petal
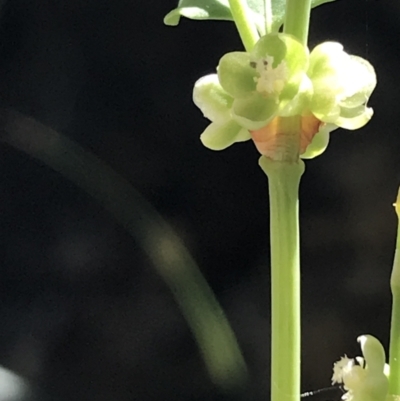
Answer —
(211, 99)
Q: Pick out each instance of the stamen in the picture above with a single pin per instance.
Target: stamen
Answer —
(270, 80)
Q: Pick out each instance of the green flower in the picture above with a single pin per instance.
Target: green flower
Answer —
(266, 81)
(251, 92)
(364, 379)
(251, 89)
(216, 104)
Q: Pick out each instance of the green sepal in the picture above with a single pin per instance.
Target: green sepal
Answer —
(325, 107)
(211, 99)
(254, 111)
(318, 144)
(243, 135)
(361, 83)
(297, 59)
(220, 136)
(325, 58)
(342, 85)
(373, 352)
(281, 47)
(354, 118)
(274, 45)
(236, 75)
(301, 101)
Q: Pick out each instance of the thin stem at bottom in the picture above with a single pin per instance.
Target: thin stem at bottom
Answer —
(394, 348)
(284, 180)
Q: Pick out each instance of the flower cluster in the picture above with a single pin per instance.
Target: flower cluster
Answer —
(364, 379)
(279, 78)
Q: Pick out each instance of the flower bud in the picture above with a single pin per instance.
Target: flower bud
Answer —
(363, 378)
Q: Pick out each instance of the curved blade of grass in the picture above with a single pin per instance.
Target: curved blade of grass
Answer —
(173, 262)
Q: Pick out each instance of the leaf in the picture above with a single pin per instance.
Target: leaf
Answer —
(316, 3)
(278, 10)
(220, 10)
(199, 10)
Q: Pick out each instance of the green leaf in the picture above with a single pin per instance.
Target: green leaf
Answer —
(316, 3)
(220, 10)
(199, 10)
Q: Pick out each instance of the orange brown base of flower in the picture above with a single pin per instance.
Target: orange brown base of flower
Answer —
(274, 142)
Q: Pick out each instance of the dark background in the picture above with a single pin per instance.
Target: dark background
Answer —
(83, 314)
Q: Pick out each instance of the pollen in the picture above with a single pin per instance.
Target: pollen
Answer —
(271, 80)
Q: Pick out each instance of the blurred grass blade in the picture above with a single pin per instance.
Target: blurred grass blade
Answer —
(173, 262)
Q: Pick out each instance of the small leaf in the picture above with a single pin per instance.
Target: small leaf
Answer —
(316, 3)
(220, 10)
(199, 10)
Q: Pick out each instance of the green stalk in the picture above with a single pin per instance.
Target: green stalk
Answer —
(268, 16)
(283, 180)
(297, 19)
(243, 20)
(394, 349)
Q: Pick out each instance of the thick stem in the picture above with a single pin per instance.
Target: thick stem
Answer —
(394, 349)
(284, 180)
(297, 19)
(243, 20)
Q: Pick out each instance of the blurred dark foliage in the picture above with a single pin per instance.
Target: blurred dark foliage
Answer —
(83, 314)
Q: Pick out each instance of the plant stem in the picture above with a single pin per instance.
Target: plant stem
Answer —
(394, 349)
(283, 181)
(297, 19)
(244, 24)
(268, 16)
